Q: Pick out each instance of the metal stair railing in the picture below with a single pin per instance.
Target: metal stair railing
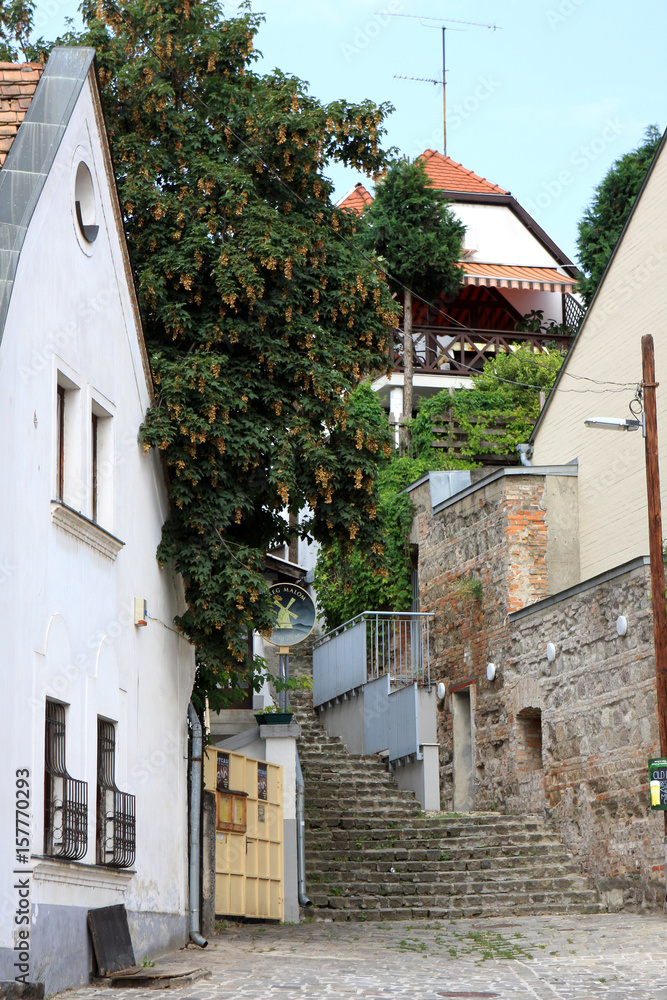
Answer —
(371, 645)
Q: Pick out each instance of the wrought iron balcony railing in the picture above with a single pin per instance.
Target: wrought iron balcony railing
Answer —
(65, 817)
(65, 798)
(116, 810)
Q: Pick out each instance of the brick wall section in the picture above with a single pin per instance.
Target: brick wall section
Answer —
(497, 536)
(17, 87)
(599, 727)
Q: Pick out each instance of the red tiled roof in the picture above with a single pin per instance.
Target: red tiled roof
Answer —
(17, 87)
(540, 279)
(442, 171)
(449, 175)
(356, 199)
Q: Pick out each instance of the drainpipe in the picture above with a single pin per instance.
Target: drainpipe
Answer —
(195, 814)
(301, 834)
(525, 450)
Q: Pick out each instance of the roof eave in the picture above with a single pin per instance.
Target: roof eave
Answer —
(474, 197)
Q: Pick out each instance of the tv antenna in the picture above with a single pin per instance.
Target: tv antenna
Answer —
(442, 24)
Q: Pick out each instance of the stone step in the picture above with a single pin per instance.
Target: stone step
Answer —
(391, 856)
(454, 883)
(457, 910)
(351, 892)
(429, 870)
(382, 804)
(322, 854)
(380, 812)
(350, 783)
(492, 900)
(335, 764)
(323, 851)
(456, 825)
(442, 834)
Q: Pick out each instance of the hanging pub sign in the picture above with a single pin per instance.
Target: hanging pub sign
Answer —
(657, 782)
(293, 614)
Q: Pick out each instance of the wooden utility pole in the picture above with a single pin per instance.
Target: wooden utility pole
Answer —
(655, 536)
(649, 385)
(407, 363)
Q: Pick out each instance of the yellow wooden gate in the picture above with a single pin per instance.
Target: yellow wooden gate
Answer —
(249, 834)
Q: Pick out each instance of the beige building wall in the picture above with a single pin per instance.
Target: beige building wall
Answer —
(631, 302)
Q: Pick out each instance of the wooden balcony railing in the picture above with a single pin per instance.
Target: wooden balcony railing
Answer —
(450, 351)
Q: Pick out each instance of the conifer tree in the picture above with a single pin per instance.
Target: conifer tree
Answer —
(603, 220)
(410, 226)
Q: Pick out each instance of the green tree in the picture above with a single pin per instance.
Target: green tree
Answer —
(260, 315)
(347, 581)
(506, 392)
(410, 226)
(16, 33)
(603, 220)
(505, 395)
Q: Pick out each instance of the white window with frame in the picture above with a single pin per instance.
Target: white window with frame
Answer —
(101, 469)
(67, 466)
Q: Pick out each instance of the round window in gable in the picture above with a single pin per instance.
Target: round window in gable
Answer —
(84, 197)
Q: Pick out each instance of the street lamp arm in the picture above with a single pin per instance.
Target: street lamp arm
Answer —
(614, 423)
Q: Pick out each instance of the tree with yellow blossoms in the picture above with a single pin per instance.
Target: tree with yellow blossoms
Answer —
(259, 312)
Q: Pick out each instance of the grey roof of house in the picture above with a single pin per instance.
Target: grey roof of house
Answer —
(32, 154)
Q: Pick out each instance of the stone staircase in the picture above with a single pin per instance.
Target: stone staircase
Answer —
(372, 855)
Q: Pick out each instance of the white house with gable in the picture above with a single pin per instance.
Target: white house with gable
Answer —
(95, 680)
(510, 268)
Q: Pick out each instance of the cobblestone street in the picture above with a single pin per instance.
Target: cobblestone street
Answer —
(618, 956)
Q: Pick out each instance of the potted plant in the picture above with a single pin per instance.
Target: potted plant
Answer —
(272, 716)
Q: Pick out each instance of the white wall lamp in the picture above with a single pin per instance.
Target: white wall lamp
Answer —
(615, 423)
(491, 671)
(441, 691)
(140, 611)
(622, 625)
(551, 652)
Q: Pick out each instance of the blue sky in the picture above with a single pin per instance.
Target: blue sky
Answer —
(542, 106)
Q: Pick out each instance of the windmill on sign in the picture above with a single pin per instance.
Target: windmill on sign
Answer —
(284, 616)
(289, 626)
(442, 25)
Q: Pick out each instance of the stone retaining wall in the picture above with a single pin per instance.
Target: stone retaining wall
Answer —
(599, 726)
(567, 739)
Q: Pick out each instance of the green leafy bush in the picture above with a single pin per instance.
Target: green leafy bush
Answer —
(507, 392)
